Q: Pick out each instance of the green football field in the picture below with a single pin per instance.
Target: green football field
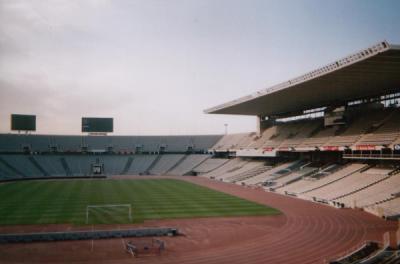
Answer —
(66, 201)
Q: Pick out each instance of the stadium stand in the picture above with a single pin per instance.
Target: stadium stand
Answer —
(378, 127)
(165, 163)
(79, 165)
(113, 165)
(188, 164)
(141, 164)
(9, 172)
(234, 141)
(256, 170)
(241, 170)
(22, 164)
(389, 208)
(291, 177)
(229, 166)
(374, 194)
(48, 143)
(300, 185)
(209, 165)
(268, 174)
(52, 164)
(347, 185)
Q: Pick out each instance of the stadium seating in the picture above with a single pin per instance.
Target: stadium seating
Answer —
(391, 207)
(13, 166)
(7, 172)
(374, 194)
(307, 185)
(231, 165)
(291, 177)
(165, 163)
(22, 165)
(113, 165)
(365, 127)
(234, 141)
(267, 175)
(209, 165)
(80, 165)
(347, 185)
(242, 170)
(256, 170)
(187, 165)
(45, 143)
(140, 164)
(52, 164)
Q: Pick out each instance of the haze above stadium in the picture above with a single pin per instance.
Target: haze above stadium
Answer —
(156, 65)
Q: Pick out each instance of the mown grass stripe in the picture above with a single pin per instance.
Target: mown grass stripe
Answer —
(65, 201)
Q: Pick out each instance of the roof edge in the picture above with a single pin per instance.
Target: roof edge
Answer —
(341, 63)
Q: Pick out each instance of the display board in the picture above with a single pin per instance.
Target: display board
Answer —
(23, 122)
(97, 124)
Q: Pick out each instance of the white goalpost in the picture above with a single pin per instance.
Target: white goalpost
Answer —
(90, 208)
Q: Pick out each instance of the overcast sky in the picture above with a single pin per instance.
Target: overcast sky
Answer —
(154, 66)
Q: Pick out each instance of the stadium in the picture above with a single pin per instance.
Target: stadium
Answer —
(318, 182)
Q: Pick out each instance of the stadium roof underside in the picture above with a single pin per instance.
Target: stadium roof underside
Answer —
(368, 73)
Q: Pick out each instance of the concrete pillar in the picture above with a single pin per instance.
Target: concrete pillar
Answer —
(258, 125)
(262, 124)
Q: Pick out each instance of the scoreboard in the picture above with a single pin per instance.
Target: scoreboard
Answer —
(23, 122)
(97, 124)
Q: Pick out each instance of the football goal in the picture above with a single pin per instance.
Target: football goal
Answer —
(108, 213)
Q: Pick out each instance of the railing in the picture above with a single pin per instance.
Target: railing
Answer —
(392, 156)
(87, 235)
(349, 252)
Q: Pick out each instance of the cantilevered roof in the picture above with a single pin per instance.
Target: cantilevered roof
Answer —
(370, 72)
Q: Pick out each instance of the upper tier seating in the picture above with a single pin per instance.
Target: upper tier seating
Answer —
(284, 131)
(14, 166)
(319, 138)
(366, 127)
(299, 136)
(44, 143)
(234, 141)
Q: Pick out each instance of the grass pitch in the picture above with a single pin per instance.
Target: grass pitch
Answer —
(65, 201)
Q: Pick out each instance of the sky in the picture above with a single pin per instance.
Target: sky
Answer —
(155, 65)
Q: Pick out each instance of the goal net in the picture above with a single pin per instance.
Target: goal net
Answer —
(108, 214)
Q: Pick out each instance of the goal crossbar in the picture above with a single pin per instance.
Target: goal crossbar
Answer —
(110, 206)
